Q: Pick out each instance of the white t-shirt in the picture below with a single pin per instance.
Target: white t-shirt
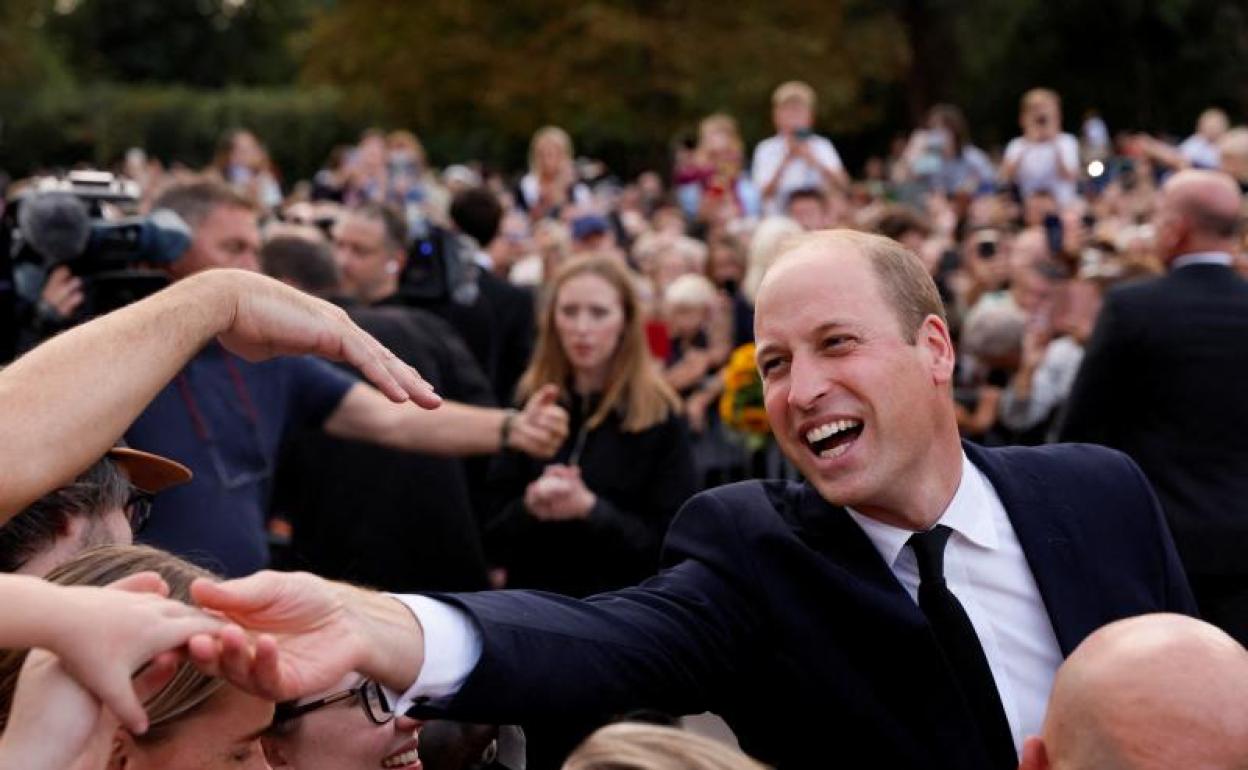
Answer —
(1201, 152)
(800, 173)
(1038, 165)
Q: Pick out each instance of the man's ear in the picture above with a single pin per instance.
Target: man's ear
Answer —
(1035, 756)
(274, 752)
(933, 339)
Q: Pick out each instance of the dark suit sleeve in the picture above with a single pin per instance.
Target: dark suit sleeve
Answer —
(1177, 593)
(1098, 399)
(675, 643)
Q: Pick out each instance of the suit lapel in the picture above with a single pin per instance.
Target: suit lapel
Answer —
(830, 531)
(1047, 531)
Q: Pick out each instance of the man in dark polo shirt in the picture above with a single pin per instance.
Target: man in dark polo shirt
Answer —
(224, 417)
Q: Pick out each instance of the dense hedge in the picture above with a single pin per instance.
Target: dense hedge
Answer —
(67, 126)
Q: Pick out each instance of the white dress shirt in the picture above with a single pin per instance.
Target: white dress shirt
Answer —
(1202, 258)
(986, 569)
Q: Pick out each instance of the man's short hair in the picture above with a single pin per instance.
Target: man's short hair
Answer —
(194, 201)
(793, 91)
(393, 225)
(308, 265)
(99, 489)
(1038, 96)
(904, 281)
(897, 220)
(477, 213)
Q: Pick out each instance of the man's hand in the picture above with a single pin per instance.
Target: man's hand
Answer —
(62, 292)
(103, 635)
(267, 318)
(541, 427)
(311, 633)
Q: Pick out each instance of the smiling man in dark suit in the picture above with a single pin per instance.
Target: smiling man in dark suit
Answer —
(908, 607)
(1163, 380)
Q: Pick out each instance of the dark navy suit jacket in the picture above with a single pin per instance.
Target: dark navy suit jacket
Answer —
(776, 611)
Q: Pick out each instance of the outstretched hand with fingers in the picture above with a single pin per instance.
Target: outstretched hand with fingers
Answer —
(303, 633)
(271, 319)
(102, 636)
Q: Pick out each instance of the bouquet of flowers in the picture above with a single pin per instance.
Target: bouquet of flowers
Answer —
(741, 404)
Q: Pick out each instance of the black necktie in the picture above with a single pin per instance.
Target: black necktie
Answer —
(961, 647)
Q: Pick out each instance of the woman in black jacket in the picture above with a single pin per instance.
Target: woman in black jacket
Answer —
(592, 518)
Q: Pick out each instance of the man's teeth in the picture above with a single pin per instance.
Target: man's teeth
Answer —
(401, 760)
(830, 429)
(835, 451)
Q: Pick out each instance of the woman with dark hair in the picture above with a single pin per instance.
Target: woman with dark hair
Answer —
(196, 722)
(593, 519)
(243, 162)
(941, 158)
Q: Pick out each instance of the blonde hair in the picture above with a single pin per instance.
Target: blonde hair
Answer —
(765, 245)
(793, 91)
(690, 290)
(406, 140)
(189, 689)
(635, 746)
(1039, 96)
(634, 385)
(549, 133)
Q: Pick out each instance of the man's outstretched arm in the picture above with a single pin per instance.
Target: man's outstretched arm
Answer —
(63, 404)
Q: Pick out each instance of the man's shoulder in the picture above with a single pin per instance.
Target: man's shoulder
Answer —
(1059, 471)
(749, 506)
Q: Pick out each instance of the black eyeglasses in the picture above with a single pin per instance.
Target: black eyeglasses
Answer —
(372, 700)
(138, 509)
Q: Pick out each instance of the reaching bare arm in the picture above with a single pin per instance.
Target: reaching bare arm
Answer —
(63, 404)
(101, 635)
(454, 430)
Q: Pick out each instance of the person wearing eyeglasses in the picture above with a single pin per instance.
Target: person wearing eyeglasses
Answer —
(350, 726)
(107, 504)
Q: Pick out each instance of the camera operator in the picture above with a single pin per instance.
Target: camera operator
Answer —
(73, 253)
(224, 417)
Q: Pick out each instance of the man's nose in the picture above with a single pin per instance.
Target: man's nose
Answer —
(405, 724)
(807, 382)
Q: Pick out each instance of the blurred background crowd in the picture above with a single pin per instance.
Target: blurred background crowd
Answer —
(632, 295)
(573, 267)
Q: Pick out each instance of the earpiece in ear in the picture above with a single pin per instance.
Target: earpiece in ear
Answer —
(392, 267)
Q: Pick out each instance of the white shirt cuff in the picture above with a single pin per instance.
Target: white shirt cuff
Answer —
(452, 649)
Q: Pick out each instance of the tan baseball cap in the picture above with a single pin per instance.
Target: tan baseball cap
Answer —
(149, 472)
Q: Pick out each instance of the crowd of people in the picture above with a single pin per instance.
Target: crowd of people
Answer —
(442, 383)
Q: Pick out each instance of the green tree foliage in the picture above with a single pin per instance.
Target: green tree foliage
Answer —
(1143, 64)
(97, 124)
(478, 77)
(205, 43)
